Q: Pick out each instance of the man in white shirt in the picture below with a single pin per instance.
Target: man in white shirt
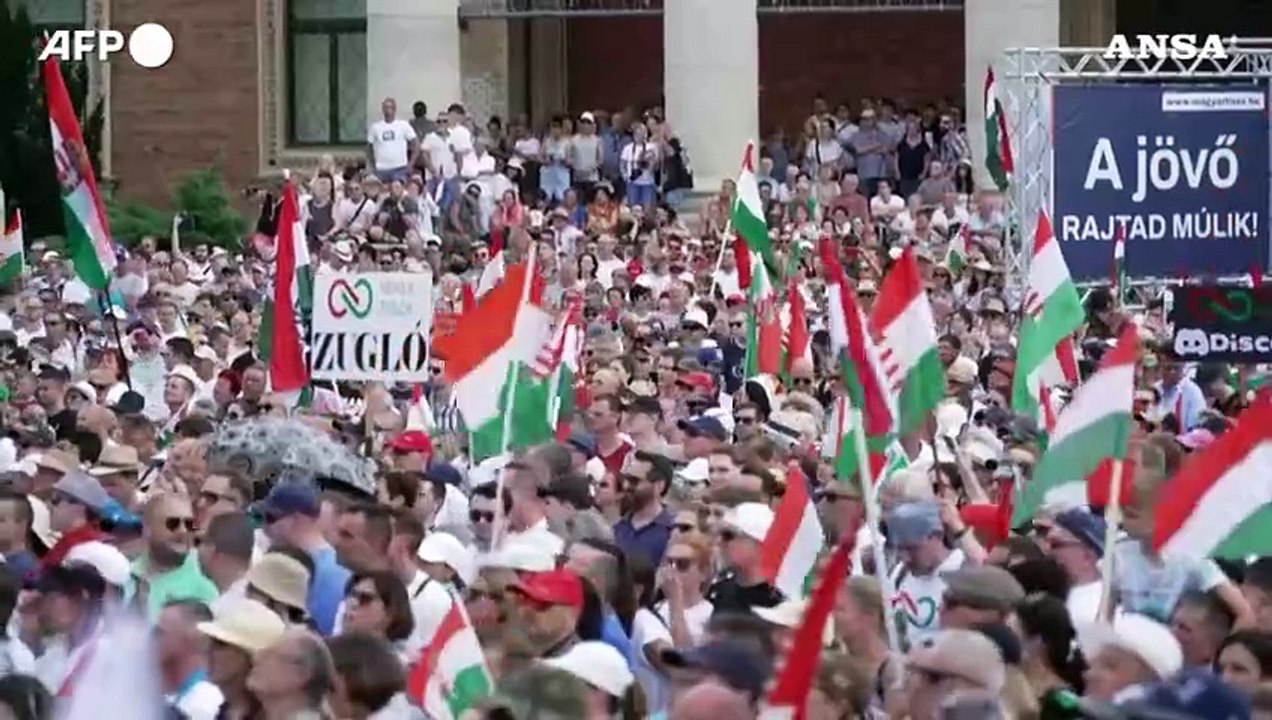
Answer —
(916, 530)
(949, 213)
(391, 144)
(437, 145)
(1077, 544)
(607, 262)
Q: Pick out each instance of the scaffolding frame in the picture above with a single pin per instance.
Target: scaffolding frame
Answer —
(1027, 76)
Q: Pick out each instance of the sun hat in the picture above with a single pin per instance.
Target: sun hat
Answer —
(245, 624)
(281, 578)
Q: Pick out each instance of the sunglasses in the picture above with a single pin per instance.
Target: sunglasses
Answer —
(176, 523)
(683, 527)
(362, 598)
(211, 497)
(802, 381)
(680, 564)
(728, 535)
(481, 516)
(60, 498)
(741, 420)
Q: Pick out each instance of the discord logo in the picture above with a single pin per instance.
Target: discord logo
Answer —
(1191, 342)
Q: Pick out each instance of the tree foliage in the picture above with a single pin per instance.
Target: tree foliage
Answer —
(26, 147)
(200, 197)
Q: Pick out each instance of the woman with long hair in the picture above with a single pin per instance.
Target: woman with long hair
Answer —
(1051, 660)
(376, 603)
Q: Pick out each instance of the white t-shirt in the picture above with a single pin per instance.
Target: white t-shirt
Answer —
(440, 158)
(919, 598)
(886, 208)
(630, 160)
(390, 142)
(460, 138)
(649, 628)
(727, 281)
(1083, 602)
(605, 271)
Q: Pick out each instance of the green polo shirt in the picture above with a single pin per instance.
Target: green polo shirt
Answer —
(186, 582)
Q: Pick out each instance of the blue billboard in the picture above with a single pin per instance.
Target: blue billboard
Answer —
(1183, 169)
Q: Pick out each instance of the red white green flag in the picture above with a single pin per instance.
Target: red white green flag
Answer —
(1220, 503)
(1091, 433)
(998, 159)
(794, 540)
(287, 370)
(862, 372)
(764, 326)
(748, 220)
(795, 339)
(451, 674)
(903, 323)
(87, 233)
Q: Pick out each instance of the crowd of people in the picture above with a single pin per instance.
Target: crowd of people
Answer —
(304, 562)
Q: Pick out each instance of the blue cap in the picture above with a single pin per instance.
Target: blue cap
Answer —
(1084, 525)
(1193, 693)
(443, 472)
(704, 426)
(736, 662)
(286, 499)
(584, 442)
(912, 522)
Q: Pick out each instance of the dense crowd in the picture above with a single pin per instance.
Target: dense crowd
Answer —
(177, 535)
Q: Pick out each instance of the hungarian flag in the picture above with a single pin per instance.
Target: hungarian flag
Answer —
(1052, 313)
(796, 340)
(292, 299)
(1091, 433)
(789, 696)
(87, 233)
(1220, 503)
(956, 255)
(903, 324)
(794, 540)
(559, 363)
(488, 362)
(763, 326)
(1119, 264)
(862, 374)
(998, 160)
(748, 221)
(12, 251)
(451, 674)
(419, 415)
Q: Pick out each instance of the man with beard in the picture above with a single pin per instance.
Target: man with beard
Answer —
(169, 566)
(646, 527)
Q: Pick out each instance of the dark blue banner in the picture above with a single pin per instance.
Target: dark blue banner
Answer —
(1183, 168)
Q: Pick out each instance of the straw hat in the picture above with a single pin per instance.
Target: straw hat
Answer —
(245, 624)
(282, 579)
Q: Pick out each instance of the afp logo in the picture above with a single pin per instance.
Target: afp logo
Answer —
(1191, 342)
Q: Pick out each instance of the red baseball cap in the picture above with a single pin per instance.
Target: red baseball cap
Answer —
(411, 441)
(554, 587)
(698, 380)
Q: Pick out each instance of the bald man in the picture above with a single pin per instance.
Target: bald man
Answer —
(711, 701)
(169, 565)
(97, 420)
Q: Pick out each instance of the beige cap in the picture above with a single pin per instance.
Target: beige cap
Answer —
(246, 624)
(281, 578)
(965, 654)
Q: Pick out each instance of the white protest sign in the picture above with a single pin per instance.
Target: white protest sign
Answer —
(371, 326)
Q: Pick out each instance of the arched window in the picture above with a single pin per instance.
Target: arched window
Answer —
(54, 14)
(326, 72)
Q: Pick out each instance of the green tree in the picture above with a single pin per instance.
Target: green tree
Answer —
(200, 196)
(26, 148)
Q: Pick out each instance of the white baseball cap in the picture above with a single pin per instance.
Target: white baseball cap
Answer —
(696, 471)
(752, 519)
(446, 549)
(107, 560)
(520, 554)
(596, 664)
(1138, 635)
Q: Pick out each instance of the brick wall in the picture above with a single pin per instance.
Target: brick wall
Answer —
(199, 109)
(916, 57)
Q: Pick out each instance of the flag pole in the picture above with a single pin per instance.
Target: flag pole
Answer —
(501, 520)
(871, 501)
(724, 243)
(1113, 524)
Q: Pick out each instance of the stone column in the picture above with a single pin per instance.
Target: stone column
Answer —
(989, 28)
(413, 54)
(711, 66)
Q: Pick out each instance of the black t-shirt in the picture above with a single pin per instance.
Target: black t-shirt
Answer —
(729, 596)
(912, 159)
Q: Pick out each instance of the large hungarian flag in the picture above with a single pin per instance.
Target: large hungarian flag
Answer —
(748, 220)
(451, 674)
(87, 234)
(488, 362)
(797, 343)
(763, 326)
(902, 322)
(1052, 312)
(794, 540)
(998, 160)
(293, 295)
(1091, 433)
(861, 371)
(1220, 503)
